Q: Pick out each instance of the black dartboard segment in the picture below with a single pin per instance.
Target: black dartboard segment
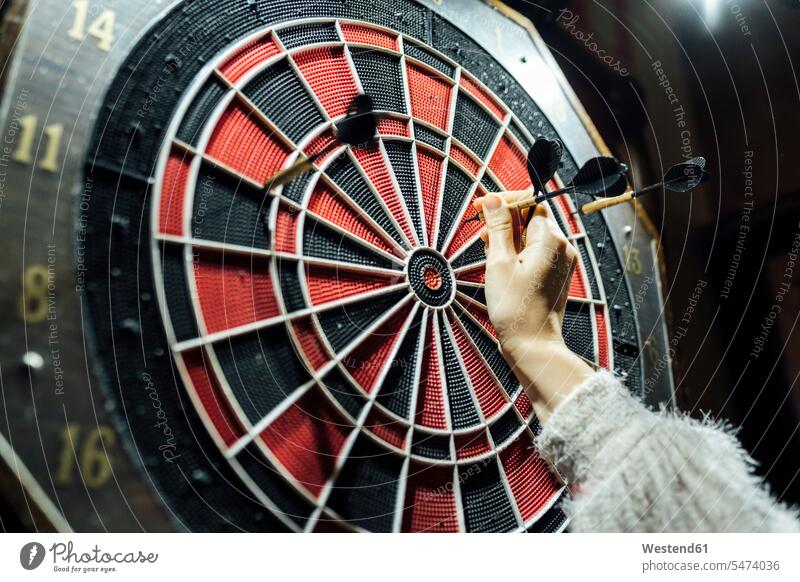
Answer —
(332, 336)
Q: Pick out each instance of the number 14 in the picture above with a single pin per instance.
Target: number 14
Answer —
(102, 27)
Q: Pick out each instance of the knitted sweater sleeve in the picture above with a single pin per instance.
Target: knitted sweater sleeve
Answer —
(632, 469)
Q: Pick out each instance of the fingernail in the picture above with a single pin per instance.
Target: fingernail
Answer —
(492, 202)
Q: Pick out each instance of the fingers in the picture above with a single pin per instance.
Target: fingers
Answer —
(509, 196)
(546, 242)
(518, 217)
(541, 226)
(567, 265)
(500, 228)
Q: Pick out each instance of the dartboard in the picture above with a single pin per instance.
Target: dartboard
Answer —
(334, 332)
(318, 356)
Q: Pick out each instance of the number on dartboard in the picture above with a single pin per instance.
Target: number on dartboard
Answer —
(101, 28)
(90, 454)
(27, 148)
(33, 302)
(633, 262)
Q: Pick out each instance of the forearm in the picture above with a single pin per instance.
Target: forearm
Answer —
(636, 470)
(548, 371)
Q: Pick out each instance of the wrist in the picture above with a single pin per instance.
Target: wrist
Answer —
(547, 369)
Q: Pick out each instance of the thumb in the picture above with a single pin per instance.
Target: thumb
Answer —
(499, 226)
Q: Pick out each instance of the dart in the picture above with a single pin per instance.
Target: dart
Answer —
(681, 178)
(357, 129)
(600, 176)
(543, 160)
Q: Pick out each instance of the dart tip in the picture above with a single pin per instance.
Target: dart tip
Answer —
(475, 218)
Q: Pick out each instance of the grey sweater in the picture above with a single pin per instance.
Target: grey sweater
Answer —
(632, 469)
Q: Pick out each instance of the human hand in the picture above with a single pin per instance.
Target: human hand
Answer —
(526, 293)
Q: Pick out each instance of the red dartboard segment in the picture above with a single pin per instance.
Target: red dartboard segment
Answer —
(471, 445)
(430, 502)
(430, 404)
(463, 158)
(488, 392)
(242, 142)
(577, 288)
(370, 359)
(326, 284)
(249, 57)
(233, 289)
(328, 74)
(430, 96)
(480, 314)
(602, 337)
(286, 229)
(373, 162)
(307, 438)
(386, 428)
(467, 230)
(173, 193)
(209, 392)
(357, 33)
(523, 405)
(531, 482)
(309, 342)
(509, 164)
(393, 127)
(320, 143)
(329, 205)
(476, 275)
(430, 177)
(566, 210)
(482, 95)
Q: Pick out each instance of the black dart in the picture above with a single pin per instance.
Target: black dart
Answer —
(601, 176)
(681, 177)
(543, 160)
(685, 176)
(357, 129)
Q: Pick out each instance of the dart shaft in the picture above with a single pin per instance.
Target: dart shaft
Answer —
(527, 202)
(641, 191)
(606, 203)
(622, 198)
(300, 166)
(519, 205)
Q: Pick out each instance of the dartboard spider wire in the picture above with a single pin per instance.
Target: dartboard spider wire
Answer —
(681, 177)
(600, 176)
(357, 129)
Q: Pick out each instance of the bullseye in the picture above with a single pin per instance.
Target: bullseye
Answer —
(431, 278)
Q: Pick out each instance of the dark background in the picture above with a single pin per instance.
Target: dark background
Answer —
(730, 66)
